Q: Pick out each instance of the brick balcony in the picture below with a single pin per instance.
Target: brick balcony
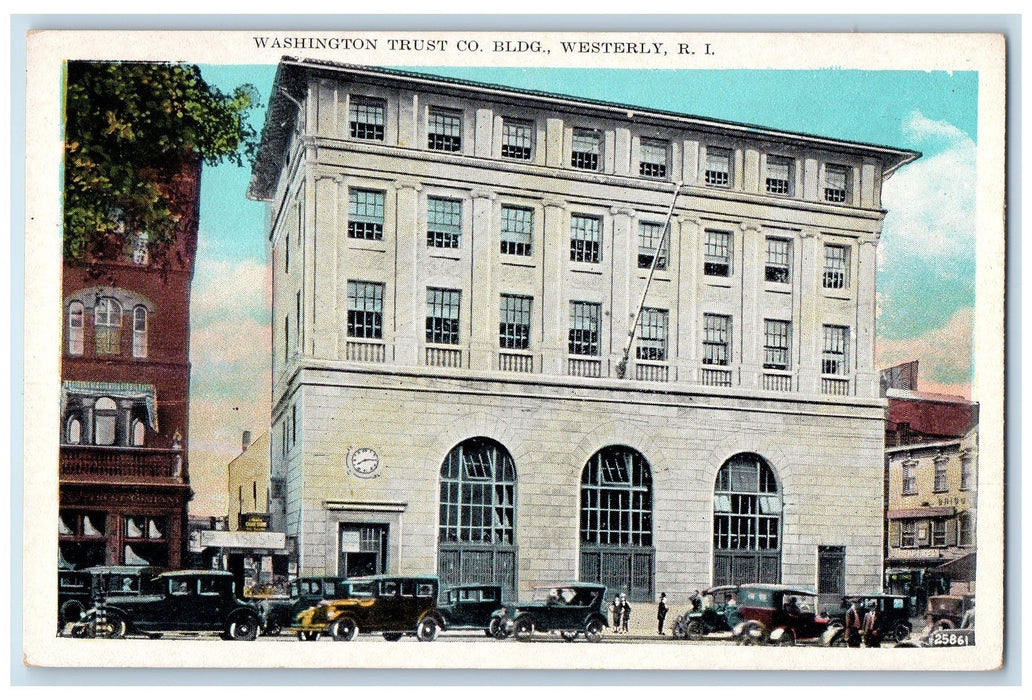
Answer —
(135, 464)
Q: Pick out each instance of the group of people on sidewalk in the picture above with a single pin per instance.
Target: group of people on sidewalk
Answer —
(866, 628)
(620, 612)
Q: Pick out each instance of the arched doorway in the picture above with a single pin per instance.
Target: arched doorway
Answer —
(616, 523)
(747, 509)
(476, 535)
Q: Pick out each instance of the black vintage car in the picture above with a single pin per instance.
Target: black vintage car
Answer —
(80, 590)
(894, 615)
(389, 605)
(570, 609)
(193, 601)
(470, 607)
(717, 612)
(304, 593)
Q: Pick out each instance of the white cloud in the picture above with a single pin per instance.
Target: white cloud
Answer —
(931, 202)
(944, 355)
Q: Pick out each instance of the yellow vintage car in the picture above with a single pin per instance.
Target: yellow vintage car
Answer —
(393, 606)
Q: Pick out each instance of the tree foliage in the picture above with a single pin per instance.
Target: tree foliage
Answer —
(130, 128)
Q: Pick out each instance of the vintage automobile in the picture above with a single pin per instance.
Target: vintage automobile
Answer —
(570, 609)
(717, 613)
(894, 616)
(778, 614)
(393, 606)
(470, 607)
(304, 593)
(947, 611)
(79, 590)
(177, 601)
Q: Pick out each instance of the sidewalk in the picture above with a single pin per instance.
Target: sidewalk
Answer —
(642, 624)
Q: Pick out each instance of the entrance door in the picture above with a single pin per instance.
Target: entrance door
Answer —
(363, 549)
(831, 576)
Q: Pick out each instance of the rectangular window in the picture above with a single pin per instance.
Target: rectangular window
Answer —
(140, 332)
(514, 322)
(779, 175)
(365, 215)
(653, 161)
(908, 533)
(836, 181)
(517, 139)
(938, 533)
(716, 343)
(442, 316)
(366, 119)
(940, 474)
(967, 474)
(775, 344)
(585, 324)
(517, 230)
(586, 149)
(836, 267)
(140, 251)
(909, 478)
(76, 312)
(965, 534)
(717, 260)
(835, 359)
(365, 310)
(652, 335)
(718, 167)
(444, 131)
(585, 238)
(653, 245)
(779, 260)
(443, 223)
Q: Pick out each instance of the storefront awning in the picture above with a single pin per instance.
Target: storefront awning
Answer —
(909, 513)
(960, 569)
(114, 390)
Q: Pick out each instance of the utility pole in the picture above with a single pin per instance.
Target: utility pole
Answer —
(621, 366)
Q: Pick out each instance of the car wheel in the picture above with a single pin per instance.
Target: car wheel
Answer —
(272, 629)
(244, 628)
(695, 630)
(308, 636)
(344, 629)
(113, 626)
(787, 639)
(901, 633)
(752, 633)
(593, 631)
(501, 629)
(392, 636)
(71, 611)
(569, 635)
(523, 628)
(427, 629)
(943, 625)
(680, 630)
(838, 639)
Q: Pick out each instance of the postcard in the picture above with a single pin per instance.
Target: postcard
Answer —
(522, 350)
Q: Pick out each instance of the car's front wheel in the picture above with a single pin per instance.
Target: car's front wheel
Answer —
(593, 630)
(695, 630)
(344, 629)
(243, 628)
(523, 628)
(427, 629)
(392, 636)
(901, 633)
(112, 626)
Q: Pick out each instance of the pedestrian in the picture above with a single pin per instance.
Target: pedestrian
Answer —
(625, 612)
(853, 625)
(695, 600)
(616, 610)
(872, 628)
(661, 612)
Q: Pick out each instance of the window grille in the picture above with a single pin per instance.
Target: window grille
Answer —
(652, 243)
(365, 214)
(653, 159)
(517, 140)
(718, 254)
(443, 223)
(514, 324)
(775, 344)
(584, 328)
(587, 146)
(517, 230)
(442, 316)
(716, 344)
(779, 175)
(585, 239)
(366, 119)
(779, 260)
(834, 359)
(444, 131)
(652, 335)
(365, 310)
(718, 167)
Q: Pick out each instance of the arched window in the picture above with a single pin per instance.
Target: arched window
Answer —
(616, 522)
(476, 534)
(140, 331)
(104, 421)
(75, 314)
(73, 431)
(139, 432)
(107, 323)
(747, 508)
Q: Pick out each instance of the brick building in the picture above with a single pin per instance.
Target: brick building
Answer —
(456, 271)
(125, 375)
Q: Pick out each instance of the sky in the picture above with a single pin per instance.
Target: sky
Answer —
(926, 258)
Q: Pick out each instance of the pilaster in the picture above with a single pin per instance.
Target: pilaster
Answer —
(405, 297)
(555, 264)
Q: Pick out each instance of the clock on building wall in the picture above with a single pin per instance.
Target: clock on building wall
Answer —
(364, 463)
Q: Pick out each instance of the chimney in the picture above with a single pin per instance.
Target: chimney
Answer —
(246, 441)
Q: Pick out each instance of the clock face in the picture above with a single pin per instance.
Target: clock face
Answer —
(364, 462)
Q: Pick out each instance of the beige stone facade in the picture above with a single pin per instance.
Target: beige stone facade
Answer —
(456, 268)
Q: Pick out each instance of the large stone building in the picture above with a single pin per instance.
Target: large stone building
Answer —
(125, 381)
(456, 271)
